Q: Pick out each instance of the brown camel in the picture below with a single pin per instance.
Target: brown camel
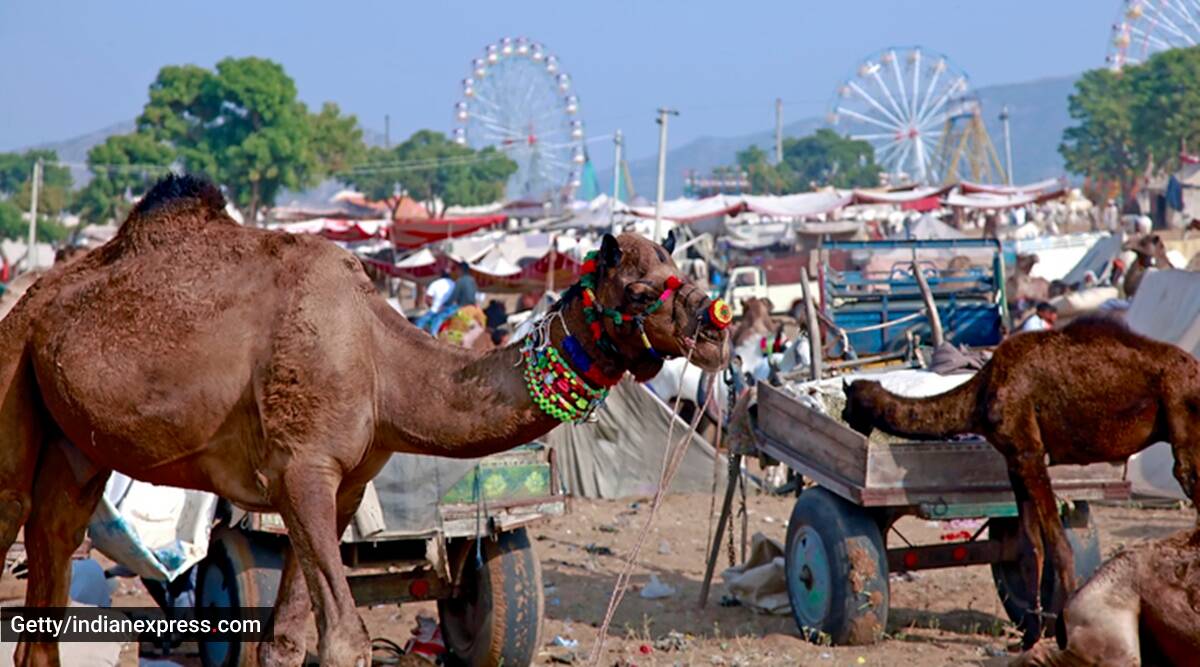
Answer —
(1091, 392)
(1142, 607)
(1151, 253)
(756, 321)
(262, 366)
(1023, 288)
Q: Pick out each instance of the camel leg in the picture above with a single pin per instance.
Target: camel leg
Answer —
(309, 512)
(1186, 450)
(1032, 467)
(20, 441)
(1031, 568)
(293, 605)
(64, 498)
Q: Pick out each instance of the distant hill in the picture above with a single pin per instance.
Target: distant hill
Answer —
(1038, 116)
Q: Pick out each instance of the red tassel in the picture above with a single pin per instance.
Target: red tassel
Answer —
(588, 267)
(596, 330)
(674, 283)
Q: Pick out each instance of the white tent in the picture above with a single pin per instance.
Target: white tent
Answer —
(1167, 308)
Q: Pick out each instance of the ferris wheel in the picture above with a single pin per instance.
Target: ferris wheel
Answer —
(1145, 27)
(518, 100)
(898, 101)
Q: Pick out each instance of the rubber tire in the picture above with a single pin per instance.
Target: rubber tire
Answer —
(1011, 586)
(498, 618)
(241, 570)
(856, 608)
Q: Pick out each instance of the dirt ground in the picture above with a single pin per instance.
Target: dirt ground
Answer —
(939, 617)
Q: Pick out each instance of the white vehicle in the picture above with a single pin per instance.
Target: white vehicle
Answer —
(751, 281)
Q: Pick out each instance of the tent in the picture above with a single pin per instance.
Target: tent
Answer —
(1167, 308)
(620, 455)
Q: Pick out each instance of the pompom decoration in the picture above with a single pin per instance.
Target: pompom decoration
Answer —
(720, 314)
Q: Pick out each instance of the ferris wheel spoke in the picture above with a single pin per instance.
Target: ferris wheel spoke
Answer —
(933, 84)
(941, 102)
(888, 94)
(875, 103)
(916, 81)
(867, 119)
(903, 159)
(919, 157)
(1149, 38)
(900, 86)
(873, 137)
(1157, 17)
(1186, 14)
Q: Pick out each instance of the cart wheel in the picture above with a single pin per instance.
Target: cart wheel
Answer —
(1010, 584)
(836, 570)
(497, 618)
(241, 570)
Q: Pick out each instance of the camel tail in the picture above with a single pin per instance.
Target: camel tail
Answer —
(944, 415)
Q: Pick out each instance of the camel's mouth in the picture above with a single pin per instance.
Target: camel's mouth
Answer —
(710, 350)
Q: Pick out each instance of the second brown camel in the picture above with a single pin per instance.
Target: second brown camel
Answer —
(1091, 392)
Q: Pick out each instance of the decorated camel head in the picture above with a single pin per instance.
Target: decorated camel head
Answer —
(1150, 251)
(640, 310)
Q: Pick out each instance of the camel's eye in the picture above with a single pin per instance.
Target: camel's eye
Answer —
(640, 293)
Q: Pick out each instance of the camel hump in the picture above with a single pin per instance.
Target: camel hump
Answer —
(176, 202)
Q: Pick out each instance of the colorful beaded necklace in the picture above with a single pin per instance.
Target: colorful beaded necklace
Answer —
(555, 386)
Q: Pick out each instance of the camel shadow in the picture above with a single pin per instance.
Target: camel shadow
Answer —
(975, 627)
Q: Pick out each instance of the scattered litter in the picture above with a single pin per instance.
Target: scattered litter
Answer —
(550, 589)
(826, 656)
(598, 550)
(904, 576)
(664, 547)
(645, 649)
(761, 583)
(559, 640)
(567, 658)
(656, 589)
(769, 519)
(606, 528)
(861, 660)
(995, 652)
(554, 602)
(673, 641)
(426, 641)
(728, 600)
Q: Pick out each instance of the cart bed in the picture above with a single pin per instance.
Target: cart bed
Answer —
(874, 474)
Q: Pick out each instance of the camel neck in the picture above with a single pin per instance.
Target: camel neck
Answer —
(434, 397)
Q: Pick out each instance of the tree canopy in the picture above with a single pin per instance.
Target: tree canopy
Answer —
(122, 167)
(1141, 116)
(429, 167)
(16, 171)
(823, 158)
(243, 126)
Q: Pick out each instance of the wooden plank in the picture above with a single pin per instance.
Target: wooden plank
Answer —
(827, 478)
(812, 435)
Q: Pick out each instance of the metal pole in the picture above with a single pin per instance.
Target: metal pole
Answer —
(663, 115)
(1008, 176)
(387, 130)
(935, 319)
(735, 471)
(33, 206)
(616, 192)
(778, 130)
(814, 327)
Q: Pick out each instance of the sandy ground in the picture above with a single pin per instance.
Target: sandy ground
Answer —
(940, 617)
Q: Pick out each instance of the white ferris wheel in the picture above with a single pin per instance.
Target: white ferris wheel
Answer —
(898, 101)
(518, 100)
(1145, 27)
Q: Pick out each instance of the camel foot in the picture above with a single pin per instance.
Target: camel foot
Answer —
(1033, 630)
(347, 644)
(282, 651)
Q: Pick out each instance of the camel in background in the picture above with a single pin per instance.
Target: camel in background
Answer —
(1022, 289)
(1091, 392)
(1139, 608)
(1151, 253)
(263, 366)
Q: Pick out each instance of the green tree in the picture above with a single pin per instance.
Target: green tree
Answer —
(14, 226)
(123, 167)
(242, 126)
(429, 167)
(1101, 145)
(827, 158)
(765, 178)
(16, 171)
(1165, 97)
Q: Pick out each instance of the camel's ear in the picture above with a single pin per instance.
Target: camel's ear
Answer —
(610, 251)
(645, 367)
(845, 385)
(669, 243)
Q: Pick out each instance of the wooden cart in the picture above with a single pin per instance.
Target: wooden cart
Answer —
(837, 557)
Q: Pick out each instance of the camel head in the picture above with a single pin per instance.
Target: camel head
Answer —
(1148, 247)
(632, 274)
(859, 410)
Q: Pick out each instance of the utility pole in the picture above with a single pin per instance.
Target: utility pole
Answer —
(34, 186)
(1008, 176)
(663, 114)
(387, 130)
(778, 130)
(616, 192)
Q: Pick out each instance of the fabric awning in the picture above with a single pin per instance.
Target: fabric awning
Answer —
(416, 232)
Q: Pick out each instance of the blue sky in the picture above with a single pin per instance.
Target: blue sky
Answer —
(74, 67)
